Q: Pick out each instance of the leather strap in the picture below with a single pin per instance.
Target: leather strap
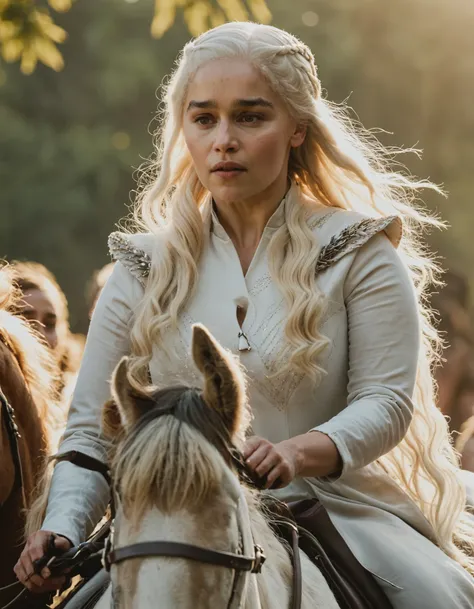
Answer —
(86, 462)
(8, 415)
(183, 550)
(297, 597)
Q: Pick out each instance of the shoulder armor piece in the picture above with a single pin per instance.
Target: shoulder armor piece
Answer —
(133, 258)
(353, 237)
(350, 238)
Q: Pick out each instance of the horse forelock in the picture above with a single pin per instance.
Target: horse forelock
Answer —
(173, 457)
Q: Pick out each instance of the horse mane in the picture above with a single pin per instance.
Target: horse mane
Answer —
(179, 447)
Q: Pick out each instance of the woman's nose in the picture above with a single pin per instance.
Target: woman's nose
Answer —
(225, 139)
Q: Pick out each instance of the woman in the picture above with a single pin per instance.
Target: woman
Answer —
(44, 305)
(255, 231)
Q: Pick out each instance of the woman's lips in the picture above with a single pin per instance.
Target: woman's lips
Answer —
(228, 173)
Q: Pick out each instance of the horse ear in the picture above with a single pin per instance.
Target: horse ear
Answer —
(130, 404)
(111, 421)
(224, 384)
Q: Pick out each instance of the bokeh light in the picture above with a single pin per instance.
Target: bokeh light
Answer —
(310, 18)
(121, 140)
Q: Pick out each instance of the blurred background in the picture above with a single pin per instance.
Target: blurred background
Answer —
(72, 137)
(71, 140)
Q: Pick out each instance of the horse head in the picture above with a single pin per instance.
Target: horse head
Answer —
(177, 486)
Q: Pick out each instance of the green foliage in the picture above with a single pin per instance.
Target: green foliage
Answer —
(70, 141)
(28, 33)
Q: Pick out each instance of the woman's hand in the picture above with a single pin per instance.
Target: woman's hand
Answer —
(276, 462)
(34, 549)
(312, 455)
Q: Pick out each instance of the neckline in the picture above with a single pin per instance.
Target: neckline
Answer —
(276, 220)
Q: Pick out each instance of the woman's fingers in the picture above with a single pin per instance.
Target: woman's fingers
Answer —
(271, 460)
(28, 578)
(281, 474)
(256, 452)
(251, 445)
(35, 549)
(31, 579)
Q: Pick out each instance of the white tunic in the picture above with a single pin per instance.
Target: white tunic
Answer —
(363, 402)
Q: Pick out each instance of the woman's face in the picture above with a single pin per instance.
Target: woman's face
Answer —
(39, 311)
(238, 131)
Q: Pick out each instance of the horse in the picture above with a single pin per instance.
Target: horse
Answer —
(175, 482)
(25, 373)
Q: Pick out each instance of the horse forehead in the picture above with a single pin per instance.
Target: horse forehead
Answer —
(216, 521)
(179, 582)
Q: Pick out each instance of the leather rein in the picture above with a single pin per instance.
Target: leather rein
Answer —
(110, 555)
(13, 434)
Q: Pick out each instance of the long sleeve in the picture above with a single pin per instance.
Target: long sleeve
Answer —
(383, 347)
(78, 497)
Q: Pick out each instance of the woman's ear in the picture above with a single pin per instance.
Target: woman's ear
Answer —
(299, 135)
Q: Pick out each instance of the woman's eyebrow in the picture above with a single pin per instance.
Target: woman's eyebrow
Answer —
(254, 101)
(208, 103)
(250, 102)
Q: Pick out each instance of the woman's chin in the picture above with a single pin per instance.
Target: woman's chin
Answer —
(229, 192)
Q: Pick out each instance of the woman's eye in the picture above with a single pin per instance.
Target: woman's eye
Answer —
(251, 118)
(203, 120)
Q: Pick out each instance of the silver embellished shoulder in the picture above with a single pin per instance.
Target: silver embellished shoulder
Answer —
(350, 238)
(133, 258)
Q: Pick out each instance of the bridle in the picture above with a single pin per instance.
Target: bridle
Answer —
(13, 434)
(171, 549)
(239, 563)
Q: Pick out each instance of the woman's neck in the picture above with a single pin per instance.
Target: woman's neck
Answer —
(244, 221)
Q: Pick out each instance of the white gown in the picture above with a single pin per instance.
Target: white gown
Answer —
(363, 403)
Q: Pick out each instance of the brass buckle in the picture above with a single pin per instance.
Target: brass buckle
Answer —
(108, 546)
(259, 559)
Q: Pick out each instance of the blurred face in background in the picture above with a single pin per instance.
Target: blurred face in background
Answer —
(37, 309)
(238, 132)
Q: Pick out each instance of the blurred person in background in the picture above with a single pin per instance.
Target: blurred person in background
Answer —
(455, 375)
(44, 305)
(465, 443)
(27, 369)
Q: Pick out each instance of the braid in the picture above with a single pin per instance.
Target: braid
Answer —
(303, 51)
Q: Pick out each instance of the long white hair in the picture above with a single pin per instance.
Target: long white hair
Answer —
(340, 165)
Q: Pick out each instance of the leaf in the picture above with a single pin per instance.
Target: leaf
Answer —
(165, 14)
(48, 54)
(50, 29)
(12, 49)
(217, 17)
(9, 29)
(197, 16)
(29, 60)
(60, 5)
(260, 11)
(234, 10)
